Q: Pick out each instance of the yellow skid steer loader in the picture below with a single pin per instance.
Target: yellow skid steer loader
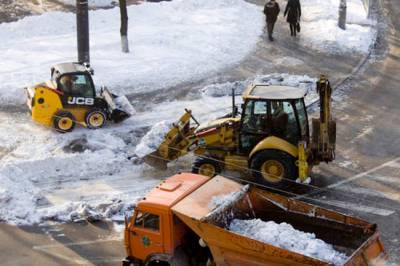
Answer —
(69, 98)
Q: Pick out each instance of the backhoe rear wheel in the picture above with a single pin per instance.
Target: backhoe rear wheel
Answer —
(206, 166)
(95, 118)
(63, 121)
(272, 167)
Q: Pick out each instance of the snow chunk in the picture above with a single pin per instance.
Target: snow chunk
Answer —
(153, 139)
(283, 235)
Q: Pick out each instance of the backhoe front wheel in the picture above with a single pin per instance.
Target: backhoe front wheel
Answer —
(206, 166)
(95, 119)
(272, 167)
(63, 121)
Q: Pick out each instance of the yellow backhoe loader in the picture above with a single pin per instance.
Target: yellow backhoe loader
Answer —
(271, 138)
(69, 98)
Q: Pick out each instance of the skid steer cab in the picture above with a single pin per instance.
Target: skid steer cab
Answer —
(69, 98)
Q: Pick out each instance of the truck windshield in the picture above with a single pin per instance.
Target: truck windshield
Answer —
(148, 220)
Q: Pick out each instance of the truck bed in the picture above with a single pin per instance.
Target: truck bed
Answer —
(358, 239)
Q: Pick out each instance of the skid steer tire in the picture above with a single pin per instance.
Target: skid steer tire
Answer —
(63, 121)
(273, 168)
(95, 118)
(206, 166)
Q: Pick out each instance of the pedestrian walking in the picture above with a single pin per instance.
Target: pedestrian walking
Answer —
(271, 11)
(293, 12)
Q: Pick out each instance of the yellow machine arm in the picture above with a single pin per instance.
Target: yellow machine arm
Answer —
(177, 142)
(324, 129)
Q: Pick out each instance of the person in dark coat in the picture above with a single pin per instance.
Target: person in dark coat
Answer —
(271, 11)
(293, 12)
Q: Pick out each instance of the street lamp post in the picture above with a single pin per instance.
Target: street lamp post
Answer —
(342, 14)
(82, 25)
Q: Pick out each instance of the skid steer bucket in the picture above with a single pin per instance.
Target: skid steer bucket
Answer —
(177, 142)
(119, 107)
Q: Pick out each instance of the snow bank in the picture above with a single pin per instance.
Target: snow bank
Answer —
(171, 43)
(281, 79)
(320, 29)
(153, 139)
(283, 235)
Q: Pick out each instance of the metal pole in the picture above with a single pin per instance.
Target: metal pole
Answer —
(342, 14)
(82, 25)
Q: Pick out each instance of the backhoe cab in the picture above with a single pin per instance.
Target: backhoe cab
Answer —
(69, 98)
(271, 139)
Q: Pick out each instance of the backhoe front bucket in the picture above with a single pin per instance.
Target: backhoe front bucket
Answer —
(177, 142)
(118, 106)
(155, 160)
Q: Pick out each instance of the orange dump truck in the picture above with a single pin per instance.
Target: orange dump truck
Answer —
(185, 221)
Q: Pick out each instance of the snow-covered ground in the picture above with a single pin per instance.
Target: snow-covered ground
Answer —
(320, 31)
(46, 175)
(170, 42)
(285, 236)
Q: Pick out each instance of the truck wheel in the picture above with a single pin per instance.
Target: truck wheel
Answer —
(63, 121)
(95, 119)
(272, 167)
(206, 166)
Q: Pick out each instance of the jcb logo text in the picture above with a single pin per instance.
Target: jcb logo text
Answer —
(80, 101)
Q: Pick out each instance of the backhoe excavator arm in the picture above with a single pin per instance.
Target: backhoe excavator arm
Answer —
(323, 140)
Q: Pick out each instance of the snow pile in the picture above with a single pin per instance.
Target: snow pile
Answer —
(123, 104)
(227, 199)
(92, 3)
(113, 208)
(171, 43)
(18, 199)
(280, 79)
(153, 139)
(283, 235)
(320, 31)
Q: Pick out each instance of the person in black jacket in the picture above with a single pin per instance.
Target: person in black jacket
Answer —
(293, 12)
(271, 11)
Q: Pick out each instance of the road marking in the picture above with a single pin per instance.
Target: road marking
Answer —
(394, 165)
(360, 175)
(370, 192)
(386, 179)
(359, 207)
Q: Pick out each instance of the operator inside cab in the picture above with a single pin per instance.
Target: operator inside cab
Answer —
(76, 85)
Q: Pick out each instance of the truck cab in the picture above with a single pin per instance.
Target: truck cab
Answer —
(154, 235)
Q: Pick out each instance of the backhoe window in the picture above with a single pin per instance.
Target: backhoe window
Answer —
(284, 123)
(77, 85)
(301, 111)
(148, 220)
(255, 117)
